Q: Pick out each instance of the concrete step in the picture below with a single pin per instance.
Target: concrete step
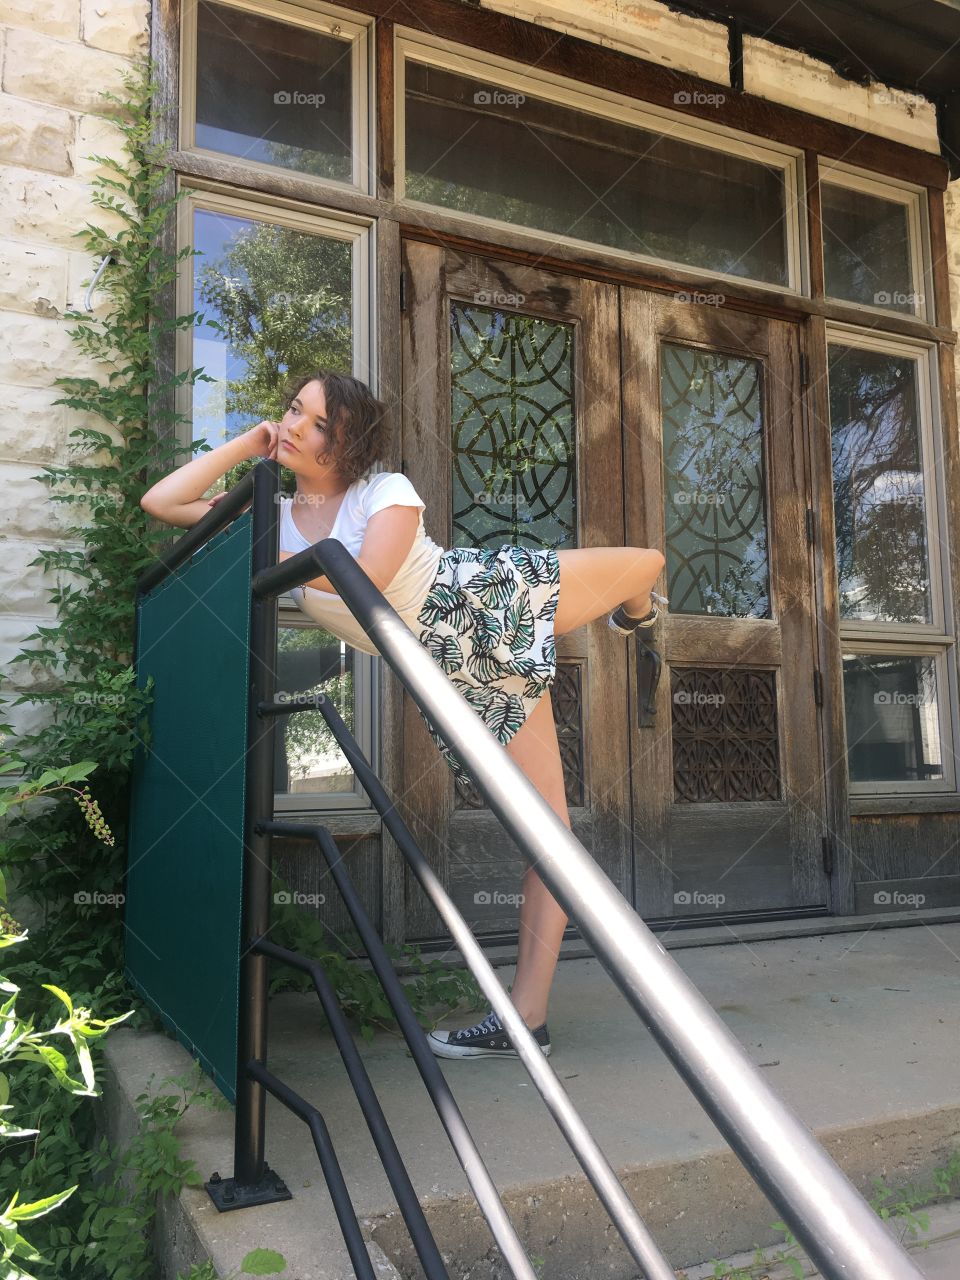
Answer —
(935, 1251)
(858, 1032)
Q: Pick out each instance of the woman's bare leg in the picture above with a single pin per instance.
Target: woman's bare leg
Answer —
(535, 750)
(595, 580)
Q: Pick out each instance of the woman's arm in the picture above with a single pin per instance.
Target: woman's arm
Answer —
(177, 498)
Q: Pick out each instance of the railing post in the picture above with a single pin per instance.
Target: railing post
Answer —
(252, 1180)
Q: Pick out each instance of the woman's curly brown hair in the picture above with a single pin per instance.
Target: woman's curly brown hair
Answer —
(358, 429)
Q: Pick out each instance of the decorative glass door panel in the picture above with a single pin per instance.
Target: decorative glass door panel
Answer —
(514, 456)
(727, 784)
(716, 524)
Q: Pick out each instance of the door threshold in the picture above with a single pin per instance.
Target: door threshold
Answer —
(675, 935)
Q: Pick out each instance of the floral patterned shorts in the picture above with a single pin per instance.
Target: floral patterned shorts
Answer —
(488, 624)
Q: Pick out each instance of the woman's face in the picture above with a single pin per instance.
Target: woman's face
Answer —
(305, 441)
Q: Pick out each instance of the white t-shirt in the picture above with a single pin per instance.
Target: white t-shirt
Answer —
(408, 590)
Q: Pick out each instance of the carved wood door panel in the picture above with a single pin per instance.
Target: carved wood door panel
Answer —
(728, 782)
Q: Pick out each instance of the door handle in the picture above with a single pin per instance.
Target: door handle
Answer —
(649, 664)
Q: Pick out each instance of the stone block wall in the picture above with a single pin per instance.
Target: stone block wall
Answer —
(56, 56)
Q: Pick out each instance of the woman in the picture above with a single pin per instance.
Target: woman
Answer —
(489, 618)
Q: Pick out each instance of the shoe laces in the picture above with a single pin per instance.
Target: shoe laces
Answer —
(486, 1027)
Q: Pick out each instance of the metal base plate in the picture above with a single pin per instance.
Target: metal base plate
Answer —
(227, 1193)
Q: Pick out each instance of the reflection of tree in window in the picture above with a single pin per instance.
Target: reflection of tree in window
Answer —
(283, 302)
(308, 661)
(878, 487)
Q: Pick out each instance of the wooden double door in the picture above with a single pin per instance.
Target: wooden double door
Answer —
(549, 410)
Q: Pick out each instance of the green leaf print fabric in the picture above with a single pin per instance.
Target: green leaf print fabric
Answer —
(488, 625)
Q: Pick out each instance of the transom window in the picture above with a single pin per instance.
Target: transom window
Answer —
(874, 241)
(481, 136)
(277, 86)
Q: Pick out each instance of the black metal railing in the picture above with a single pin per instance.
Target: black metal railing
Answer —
(831, 1220)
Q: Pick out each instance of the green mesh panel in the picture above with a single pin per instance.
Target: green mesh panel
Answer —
(183, 893)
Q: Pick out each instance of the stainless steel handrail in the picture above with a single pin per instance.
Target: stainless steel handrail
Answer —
(836, 1226)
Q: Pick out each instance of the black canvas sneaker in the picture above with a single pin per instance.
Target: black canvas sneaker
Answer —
(625, 624)
(485, 1039)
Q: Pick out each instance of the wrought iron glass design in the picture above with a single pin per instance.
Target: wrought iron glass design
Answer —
(724, 734)
(878, 487)
(714, 482)
(893, 718)
(512, 415)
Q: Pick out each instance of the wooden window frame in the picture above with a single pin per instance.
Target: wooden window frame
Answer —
(938, 637)
(914, 200)
(325, 19)
(430, 50)
(214, 197)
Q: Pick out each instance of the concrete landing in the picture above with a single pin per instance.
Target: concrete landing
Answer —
(858, 1032)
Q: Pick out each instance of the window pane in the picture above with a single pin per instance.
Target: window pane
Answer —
(513, 438)
(866, 249)
(714, 489)
(476, 148)
(271, 300)
(307, 756)
(878, 490)
(893, 722)
(274, 93)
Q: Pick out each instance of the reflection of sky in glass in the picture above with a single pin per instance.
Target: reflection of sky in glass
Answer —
(213, 234)
(878, 486)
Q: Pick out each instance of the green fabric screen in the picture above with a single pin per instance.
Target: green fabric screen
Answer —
(182, 919)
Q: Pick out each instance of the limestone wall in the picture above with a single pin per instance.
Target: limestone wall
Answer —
(56, 56)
